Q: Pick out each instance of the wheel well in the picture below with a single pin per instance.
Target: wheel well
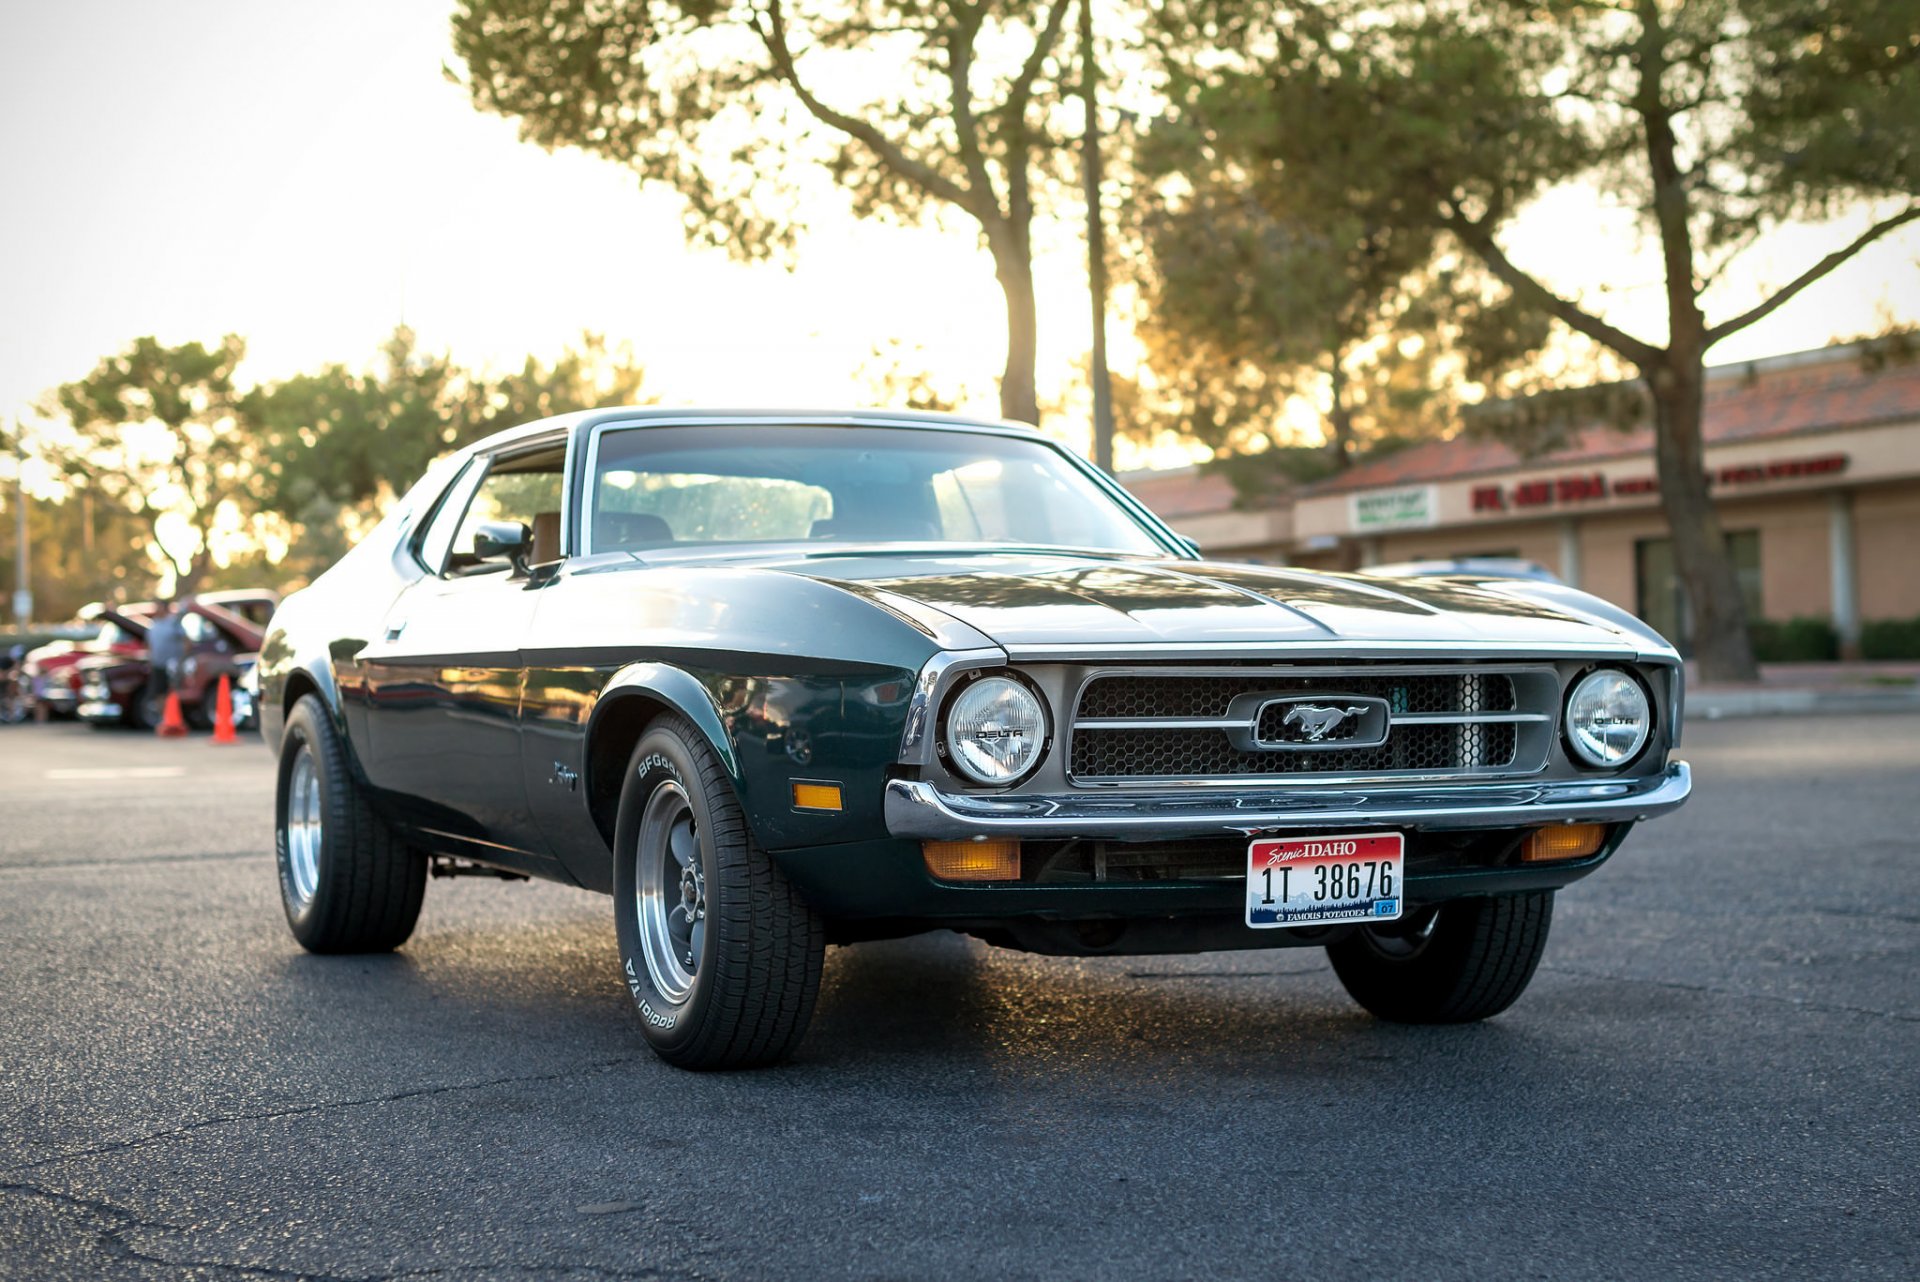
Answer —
(616, 730)
(298, 684)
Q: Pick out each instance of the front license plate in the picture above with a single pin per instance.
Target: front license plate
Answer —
(1309, 881)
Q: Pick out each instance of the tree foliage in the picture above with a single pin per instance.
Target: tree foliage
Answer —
(157, 435)
(1714, 121)
(910, 106)
(275, 481)
(334, 447)
(82, 550)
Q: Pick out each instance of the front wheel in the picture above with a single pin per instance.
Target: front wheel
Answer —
(1451, 964)
(720, 953)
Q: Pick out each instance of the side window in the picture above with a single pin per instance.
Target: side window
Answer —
(436, 541)
(522, 488)
(198, 630)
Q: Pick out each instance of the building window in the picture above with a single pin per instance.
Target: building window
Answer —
(1662, 598)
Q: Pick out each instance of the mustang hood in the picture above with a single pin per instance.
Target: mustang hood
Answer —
(1054, 600)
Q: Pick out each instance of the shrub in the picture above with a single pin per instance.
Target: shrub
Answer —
(1806, 639)
(1890, 639)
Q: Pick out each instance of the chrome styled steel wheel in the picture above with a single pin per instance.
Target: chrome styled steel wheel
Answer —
(670, 893)
(305, 829)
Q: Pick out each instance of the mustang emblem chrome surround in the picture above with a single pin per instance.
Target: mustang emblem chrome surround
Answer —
(1318, 721)
(1308, 721)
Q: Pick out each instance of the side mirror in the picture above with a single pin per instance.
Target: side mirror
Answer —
(508, 541)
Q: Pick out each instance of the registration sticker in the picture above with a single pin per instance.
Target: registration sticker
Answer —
(1311, 881)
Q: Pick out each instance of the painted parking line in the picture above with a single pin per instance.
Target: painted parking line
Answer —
(119, 772)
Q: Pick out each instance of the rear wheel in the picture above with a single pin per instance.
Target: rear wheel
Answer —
(1451, 964)
(720, 953)
(347, 882)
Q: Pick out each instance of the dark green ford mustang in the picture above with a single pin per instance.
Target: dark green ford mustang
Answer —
(775, 681)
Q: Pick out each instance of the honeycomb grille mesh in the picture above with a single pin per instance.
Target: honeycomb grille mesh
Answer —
(1137, 754)
(1144, 696)
(1188, 753)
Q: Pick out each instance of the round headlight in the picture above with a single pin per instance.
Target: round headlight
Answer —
(1608, 718)
(996, 729)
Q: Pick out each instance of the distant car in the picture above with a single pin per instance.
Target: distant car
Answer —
(223, 640)
(52, 673)
(246, 692)
(1470, 567)
(16, 701)
(775, 681)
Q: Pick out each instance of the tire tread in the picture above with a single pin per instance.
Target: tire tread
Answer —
(1478, 966)
(769, 943)
(372, 882)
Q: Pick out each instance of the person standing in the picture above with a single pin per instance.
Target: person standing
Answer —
(166, 647)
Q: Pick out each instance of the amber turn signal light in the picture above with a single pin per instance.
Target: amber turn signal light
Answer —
(1568, 841)
(973, 860)
(816, 796)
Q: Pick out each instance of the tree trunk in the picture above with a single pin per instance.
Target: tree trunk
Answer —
(1096, 245)
(1340, 442)
(1721, 645)
(1013, 266)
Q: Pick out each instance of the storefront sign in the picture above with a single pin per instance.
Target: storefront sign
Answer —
(1574, 491)
(1402, 509)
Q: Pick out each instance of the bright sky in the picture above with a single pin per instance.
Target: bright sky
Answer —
(303, 175)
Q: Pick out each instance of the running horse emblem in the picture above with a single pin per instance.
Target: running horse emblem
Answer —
(1318, 720)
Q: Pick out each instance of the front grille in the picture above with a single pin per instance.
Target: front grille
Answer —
(1138, 726)
(1135, 754)
(1206, 696)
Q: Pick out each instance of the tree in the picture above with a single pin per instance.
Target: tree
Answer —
(82, 550)
(333, 448)
(1714, 120)
(719, 100)
(1256, 288)
(159, 436)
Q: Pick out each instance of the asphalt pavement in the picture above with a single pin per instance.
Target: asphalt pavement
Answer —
(1713, 1075)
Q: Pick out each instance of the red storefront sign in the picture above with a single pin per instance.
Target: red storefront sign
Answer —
(1590, 487)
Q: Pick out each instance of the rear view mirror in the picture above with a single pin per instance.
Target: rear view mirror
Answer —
(508, 541)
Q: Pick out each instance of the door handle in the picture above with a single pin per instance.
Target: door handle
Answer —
(395, 629)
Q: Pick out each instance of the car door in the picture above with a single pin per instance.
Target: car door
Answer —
(444, 676)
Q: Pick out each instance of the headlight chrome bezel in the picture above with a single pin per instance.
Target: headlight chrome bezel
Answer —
(949, 752)
(1577, 745)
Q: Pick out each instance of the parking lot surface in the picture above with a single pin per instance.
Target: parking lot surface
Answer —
(1712, 1075)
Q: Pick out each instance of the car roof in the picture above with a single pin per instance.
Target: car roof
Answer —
(684, 416)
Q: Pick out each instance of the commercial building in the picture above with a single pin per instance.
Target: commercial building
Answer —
(1813, 459)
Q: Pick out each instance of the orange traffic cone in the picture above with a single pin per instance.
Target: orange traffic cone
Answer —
(172, 724)
(223, 712)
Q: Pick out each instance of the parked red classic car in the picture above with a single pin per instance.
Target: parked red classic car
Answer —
(224, 630)
(52, 673)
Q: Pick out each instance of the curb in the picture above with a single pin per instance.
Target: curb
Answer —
(1717, 705)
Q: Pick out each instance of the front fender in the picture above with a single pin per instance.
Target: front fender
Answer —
(676, 688)
(280, 669)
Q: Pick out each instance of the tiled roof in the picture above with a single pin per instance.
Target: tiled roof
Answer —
(1744, 403)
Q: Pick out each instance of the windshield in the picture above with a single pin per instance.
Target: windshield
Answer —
(661, 487)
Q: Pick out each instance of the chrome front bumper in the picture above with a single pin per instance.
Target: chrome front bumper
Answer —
(919, 810)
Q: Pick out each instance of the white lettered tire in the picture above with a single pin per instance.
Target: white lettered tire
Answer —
(720, 953)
